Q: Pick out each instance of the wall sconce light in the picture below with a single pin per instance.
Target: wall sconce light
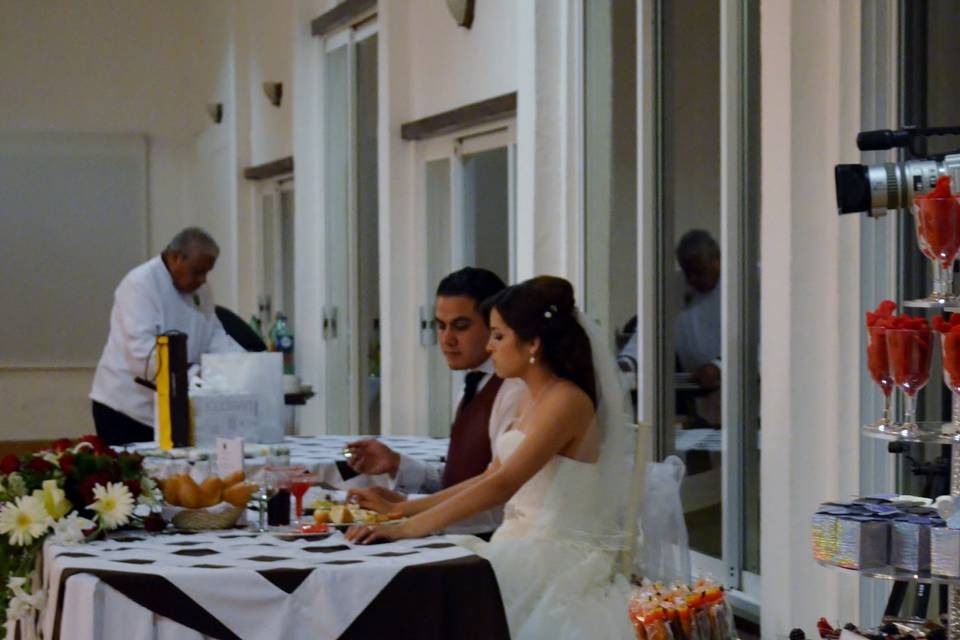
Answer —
(462, 12)
(215, 111)
(274, 92)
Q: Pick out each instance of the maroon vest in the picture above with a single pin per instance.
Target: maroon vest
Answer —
(470, 451)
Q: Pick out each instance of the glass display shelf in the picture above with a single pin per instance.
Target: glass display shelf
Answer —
(891, 573)
(926, 432)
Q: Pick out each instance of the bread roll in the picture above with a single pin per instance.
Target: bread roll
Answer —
(239, 494)
(210, 491)
(171, 490)
(341, 514)
(189, 493)
(233, 478)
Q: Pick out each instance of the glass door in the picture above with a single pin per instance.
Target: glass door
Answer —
(699, 64)
(351, 307)
(468, 203)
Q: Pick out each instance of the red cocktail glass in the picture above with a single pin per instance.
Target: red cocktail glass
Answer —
(937, 218)
(878, 363)
(909, 352)
(950, 351)
(299, 485)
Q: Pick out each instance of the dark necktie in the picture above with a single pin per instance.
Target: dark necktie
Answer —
(470, 387)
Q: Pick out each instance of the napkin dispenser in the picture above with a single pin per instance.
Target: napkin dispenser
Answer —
(862, 542)
(945, 552)
(910, 544)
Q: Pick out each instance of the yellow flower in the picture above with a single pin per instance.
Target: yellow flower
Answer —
(113, 504)
(24, 520)
(53, 499)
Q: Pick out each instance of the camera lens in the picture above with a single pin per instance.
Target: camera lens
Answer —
(853, 188)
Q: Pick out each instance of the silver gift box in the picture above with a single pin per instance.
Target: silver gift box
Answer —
(945, 552)
(910, 546)
(862, 543)
(825, 536)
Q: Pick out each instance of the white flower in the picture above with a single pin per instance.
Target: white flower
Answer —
(53, 498)
(22, 603)
(113, 504)
(51, 457)
(69, 530)
(24, 520)
(149, 493)
(80, 446)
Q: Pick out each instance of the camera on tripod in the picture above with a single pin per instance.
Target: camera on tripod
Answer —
(877, 188)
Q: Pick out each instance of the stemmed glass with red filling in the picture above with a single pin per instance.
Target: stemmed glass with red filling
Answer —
(950, 351)
(878, 363)
(937, 218)
(909, 350)
(300, 483)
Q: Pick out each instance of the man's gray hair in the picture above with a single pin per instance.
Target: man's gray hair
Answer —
(193, 241)
(697, 243)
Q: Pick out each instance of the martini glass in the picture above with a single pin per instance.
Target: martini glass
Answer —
(909, 351)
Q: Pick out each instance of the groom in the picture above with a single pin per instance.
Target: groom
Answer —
(486, 406)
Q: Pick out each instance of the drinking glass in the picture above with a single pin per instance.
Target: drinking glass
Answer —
(909, 352)
(277, 481)
(300, 483)
(879, 366)
(950, 351)
(938, 234)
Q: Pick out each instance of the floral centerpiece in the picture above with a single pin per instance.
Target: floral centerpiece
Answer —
(72, 492)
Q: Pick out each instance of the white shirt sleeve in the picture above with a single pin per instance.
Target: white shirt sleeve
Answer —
(138, 317)
(416, 476)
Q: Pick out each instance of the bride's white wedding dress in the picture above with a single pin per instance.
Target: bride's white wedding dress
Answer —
(554, 574)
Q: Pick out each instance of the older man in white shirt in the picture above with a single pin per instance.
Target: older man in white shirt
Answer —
(166, 293)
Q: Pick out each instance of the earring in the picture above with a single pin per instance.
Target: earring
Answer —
(533, 360)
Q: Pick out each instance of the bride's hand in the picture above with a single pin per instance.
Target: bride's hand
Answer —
(369, 533)
(372, 499)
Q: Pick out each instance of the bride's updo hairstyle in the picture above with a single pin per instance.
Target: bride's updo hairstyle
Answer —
(543, 307)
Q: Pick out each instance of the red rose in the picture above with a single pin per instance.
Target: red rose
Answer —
(10, 464)
(39, 465)
(61, 445)
(67, 463)
(99, 445)
(134, 487)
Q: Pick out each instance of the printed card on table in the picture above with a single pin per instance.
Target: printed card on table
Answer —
(229, 456)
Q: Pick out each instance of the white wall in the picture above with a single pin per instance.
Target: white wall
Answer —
(451, 66)
(148, 68)
(810, 320)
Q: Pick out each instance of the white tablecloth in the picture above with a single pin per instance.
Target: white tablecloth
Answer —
(318, 453)
(254, 585)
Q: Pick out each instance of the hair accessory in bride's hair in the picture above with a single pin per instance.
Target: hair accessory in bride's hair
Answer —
(552, 309)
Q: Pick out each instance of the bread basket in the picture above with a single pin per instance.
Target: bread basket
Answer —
(219, 516)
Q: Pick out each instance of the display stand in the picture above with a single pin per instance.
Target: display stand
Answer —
(929, 433)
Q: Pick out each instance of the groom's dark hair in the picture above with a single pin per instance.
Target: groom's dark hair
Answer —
(471, 282)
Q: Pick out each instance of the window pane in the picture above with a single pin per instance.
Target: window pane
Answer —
(487, 211)
(367, 228)
(438, 199)
(610, 173)
(337, 253)
(690, 260)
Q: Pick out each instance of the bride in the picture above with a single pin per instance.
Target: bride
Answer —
(562, 469)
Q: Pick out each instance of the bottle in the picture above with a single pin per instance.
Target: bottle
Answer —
(255, 325)
(282, 339)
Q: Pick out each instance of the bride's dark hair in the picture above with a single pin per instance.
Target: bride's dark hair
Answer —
(543, 307)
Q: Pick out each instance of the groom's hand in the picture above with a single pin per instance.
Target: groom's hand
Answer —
(373, 457)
